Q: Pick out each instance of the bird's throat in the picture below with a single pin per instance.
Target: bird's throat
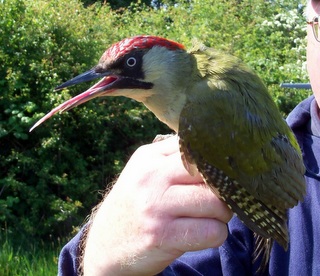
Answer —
(167, 108)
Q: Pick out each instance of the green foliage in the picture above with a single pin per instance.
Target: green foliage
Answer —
(50, 178)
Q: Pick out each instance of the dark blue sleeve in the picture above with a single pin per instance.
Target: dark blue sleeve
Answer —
(69, 256)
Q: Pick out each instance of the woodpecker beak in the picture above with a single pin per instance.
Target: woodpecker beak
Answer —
(104, 87)
(86, 76)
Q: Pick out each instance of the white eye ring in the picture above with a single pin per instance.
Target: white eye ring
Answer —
(131, 61)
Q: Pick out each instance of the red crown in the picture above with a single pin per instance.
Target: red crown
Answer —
(126, 45)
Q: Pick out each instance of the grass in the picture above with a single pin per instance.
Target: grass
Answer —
(30, 258)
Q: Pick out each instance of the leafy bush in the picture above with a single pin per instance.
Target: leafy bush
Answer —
(50, 178)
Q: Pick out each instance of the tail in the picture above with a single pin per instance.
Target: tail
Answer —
(262, 250)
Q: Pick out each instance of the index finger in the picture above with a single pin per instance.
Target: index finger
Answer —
(166, 144)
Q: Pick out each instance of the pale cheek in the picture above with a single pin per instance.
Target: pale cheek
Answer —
(313, 58)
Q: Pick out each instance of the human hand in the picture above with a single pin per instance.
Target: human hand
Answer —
(154, 213)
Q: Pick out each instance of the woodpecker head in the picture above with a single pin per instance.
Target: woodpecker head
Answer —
(149, 69)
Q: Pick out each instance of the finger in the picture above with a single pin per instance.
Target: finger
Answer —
(188, 234)
(195, 201)
(188, 195)
(165, 158)
(173, 167)
(165, 147)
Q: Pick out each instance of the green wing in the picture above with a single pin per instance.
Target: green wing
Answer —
(243, 148)
(254, 151)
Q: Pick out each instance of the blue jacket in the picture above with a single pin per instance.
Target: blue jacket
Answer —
(234, 257)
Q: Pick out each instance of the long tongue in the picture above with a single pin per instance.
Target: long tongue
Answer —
(92, 92)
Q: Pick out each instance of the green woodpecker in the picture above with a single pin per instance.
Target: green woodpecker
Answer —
(228, 126)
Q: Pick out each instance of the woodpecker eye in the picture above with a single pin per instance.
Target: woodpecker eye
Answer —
(130, 65)
(131, 61)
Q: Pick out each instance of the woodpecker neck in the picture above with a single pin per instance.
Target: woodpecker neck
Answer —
(170, 74)
(167, 107)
